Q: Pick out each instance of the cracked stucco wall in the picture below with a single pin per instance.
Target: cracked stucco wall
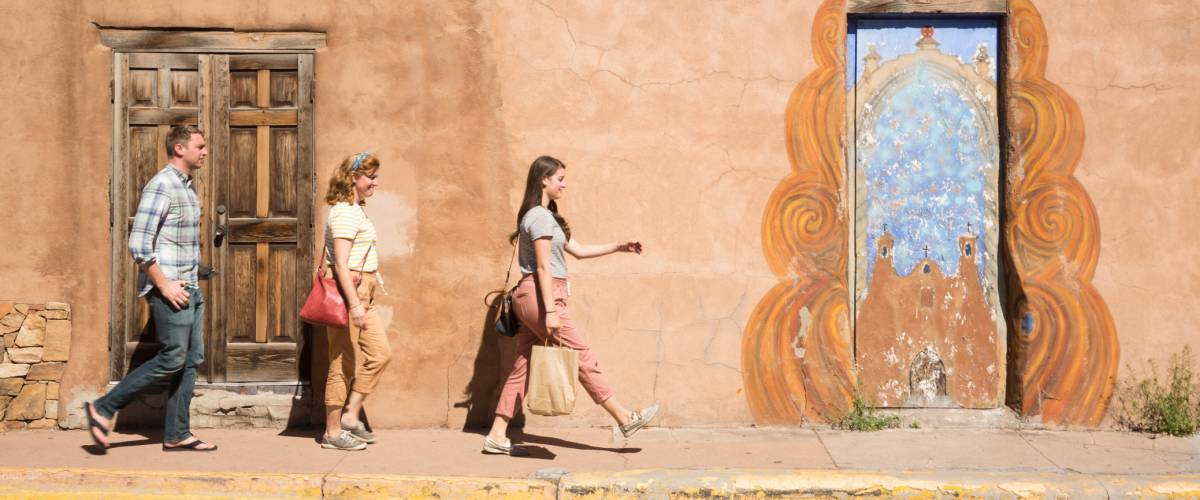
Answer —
(669, 116)
(1134, 71)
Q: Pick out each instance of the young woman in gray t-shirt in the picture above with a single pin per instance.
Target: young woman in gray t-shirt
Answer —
(540, 302)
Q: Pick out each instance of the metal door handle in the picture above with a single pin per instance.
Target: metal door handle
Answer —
(219, 233)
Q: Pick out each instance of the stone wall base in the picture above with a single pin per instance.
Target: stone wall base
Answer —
(230, 406)
(35, 341)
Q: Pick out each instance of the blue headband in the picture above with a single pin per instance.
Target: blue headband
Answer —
(358, 158)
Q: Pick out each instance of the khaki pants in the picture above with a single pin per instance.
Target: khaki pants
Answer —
(356, 357)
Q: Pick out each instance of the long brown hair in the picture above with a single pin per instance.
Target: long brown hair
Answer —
(541, 168)
(341, 183)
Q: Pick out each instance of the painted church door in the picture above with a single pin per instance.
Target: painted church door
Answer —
(929, 329)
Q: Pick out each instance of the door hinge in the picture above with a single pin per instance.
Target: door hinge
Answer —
(312, 89)
(111, 95)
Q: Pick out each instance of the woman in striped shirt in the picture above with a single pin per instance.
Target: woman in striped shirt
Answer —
(358, 354)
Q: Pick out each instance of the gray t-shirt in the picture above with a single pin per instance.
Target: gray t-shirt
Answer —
(539, 223)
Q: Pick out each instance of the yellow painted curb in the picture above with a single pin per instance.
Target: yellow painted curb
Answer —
(107, 483)
(655, 483)
(429, 487)
(128, 484)
(860, 484)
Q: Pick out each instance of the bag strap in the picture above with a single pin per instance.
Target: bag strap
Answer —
(516, 248)
(321, 261)
(507, 275)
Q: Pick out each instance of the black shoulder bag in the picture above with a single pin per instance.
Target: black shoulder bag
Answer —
(506, 318)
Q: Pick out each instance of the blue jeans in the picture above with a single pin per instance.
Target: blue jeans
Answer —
(181, 337)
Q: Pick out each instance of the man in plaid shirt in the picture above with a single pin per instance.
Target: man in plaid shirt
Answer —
(165, 242)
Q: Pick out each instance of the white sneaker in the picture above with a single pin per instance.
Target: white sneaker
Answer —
(638, 419)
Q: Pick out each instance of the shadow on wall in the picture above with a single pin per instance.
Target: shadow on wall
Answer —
(493, 362)
(147, 410)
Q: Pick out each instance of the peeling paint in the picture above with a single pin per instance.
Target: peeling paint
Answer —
(798, 340)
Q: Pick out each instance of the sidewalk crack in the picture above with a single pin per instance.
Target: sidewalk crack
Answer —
(826, 448)
(1107, 493)
(1039, 452)
(332, 471)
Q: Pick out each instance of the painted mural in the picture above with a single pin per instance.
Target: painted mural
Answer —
(798, 346)
(1065, 346)
(929, 329)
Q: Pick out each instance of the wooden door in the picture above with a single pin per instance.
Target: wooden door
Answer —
(151, 92)
(262, 117)
(256, 191)
(929, 326)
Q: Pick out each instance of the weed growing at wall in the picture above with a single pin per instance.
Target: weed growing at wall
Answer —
(865, 418)
(1167, 405)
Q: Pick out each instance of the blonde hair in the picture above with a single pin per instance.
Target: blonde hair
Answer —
(341, 183)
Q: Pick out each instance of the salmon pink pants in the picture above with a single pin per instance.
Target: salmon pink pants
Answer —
(531, 315)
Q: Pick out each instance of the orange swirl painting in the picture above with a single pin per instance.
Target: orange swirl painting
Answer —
(890, 272)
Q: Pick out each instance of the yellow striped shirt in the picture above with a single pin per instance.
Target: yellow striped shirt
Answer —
(350, 222)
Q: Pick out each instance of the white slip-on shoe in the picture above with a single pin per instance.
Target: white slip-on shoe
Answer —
(506, 448)
(638, 419)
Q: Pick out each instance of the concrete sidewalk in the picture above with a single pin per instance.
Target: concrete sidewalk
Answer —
(586, 463)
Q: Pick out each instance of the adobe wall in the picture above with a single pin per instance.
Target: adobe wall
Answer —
(669, 117)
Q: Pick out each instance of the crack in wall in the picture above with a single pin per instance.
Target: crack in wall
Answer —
(570, 32)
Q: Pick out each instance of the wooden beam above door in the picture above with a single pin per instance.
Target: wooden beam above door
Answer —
(160, 40)
(927, 6)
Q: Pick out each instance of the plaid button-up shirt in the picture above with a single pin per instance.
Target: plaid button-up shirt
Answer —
(166, 228)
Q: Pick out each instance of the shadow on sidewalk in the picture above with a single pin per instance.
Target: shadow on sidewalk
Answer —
(148, 437)
(312, 432)
(519, 435)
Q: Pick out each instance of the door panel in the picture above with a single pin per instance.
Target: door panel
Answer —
(267, 195)
(256, 192)
(929, 329)
(151, 92)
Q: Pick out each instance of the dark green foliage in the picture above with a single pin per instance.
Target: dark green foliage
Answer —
(865, 418)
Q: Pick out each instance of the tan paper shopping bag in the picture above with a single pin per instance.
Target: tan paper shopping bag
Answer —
(552, 374)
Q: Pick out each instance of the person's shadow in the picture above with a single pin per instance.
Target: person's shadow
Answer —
(493, 362)
(148, 437)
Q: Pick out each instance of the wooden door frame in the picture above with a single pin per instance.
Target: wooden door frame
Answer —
(124, 41)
